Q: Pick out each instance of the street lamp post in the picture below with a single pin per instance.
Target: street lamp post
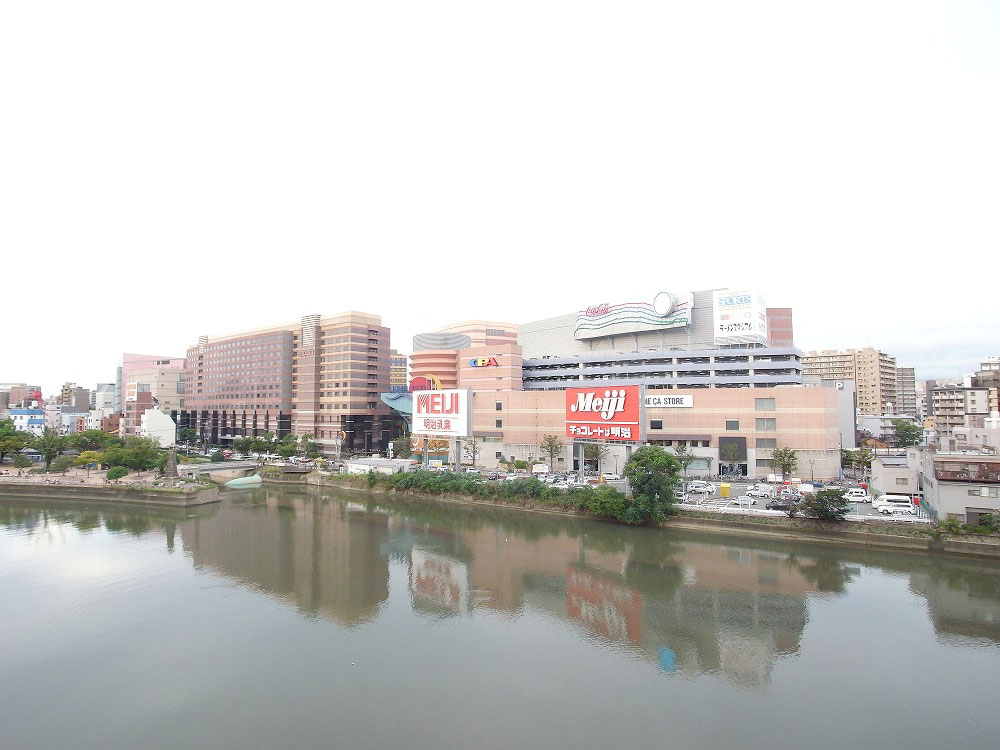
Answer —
(812, 474)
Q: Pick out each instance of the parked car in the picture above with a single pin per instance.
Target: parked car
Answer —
(698, 487)
(789, 493)
(473, 471)
(781, 503)
(761, 490)
(889, 504)
(856, 495)
(609, 476)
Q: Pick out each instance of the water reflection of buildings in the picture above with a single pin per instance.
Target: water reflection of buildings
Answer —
(690, 603)
(687, 606)
(963, 601)
(321, 556)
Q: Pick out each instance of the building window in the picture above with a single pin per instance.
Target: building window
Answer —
(766, 425)
(901, 481)
(765, 463)
(499, 454)
(499, 405)
(499, 423)
(733, 424)
(763, 404)
(768, 444)
(656, 424)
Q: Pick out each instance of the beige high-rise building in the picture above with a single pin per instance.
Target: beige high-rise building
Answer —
(906, 392)
(873, 371)
(319, 376)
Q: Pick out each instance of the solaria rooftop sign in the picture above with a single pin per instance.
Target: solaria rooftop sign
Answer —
(604, 319)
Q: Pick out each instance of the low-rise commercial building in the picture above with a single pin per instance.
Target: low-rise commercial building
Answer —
(28, 420)
(701, 364)
(158, 425)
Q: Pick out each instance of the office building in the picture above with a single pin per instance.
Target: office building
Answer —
(321, 376)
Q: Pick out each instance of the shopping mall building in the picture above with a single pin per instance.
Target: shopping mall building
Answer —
(714, 370)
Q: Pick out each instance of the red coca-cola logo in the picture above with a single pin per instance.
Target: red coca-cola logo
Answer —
(602, 309)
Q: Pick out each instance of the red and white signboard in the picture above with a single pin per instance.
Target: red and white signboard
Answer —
(446, 412)
(603, 413)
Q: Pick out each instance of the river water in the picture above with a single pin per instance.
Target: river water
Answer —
(287, 619)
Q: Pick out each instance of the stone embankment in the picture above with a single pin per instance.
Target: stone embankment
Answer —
(118, 493)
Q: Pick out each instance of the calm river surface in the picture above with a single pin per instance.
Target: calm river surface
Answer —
(291, 619)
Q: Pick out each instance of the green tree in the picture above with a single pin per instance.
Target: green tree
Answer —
(595, 452)
(244, 444)
(402, 447)
(14, 442)
(141, 453)
(651, 473)
(50, 444)
(907, 433)
(307, 447)
(87, 458)
(826, 505)
(20, 462)
(217, 456)
(92, 440)
(730, 454)
(785, 461)
(116, 472)
(551, 446)
(61, 463)
(685, 458)
(187, 435)
(286, 450)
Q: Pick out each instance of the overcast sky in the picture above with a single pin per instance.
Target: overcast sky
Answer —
(169, 170)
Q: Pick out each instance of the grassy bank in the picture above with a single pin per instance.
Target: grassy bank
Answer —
(533, 495)
(601, 501)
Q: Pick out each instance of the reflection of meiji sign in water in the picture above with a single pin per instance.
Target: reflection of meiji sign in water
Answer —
(439, 579)
(603, 413)
(669, 401)
(604, 605)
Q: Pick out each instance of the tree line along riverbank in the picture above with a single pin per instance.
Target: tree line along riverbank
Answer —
(604, 503)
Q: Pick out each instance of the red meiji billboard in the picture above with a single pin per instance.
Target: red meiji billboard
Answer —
(603, 413)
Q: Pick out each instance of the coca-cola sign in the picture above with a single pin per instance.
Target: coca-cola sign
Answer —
(602, 309)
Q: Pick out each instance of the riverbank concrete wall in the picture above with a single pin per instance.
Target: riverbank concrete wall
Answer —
(175, 497)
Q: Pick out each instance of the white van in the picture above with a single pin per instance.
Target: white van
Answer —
(889, 504)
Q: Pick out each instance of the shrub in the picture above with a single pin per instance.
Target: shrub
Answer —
(608, 502)
(949, 526)
(117, 472)
(825, 505)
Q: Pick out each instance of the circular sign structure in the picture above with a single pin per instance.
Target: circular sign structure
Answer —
(663, 304)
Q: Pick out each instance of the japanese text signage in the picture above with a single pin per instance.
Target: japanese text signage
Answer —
(739, 317)
(603, 413)
(445, 412)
